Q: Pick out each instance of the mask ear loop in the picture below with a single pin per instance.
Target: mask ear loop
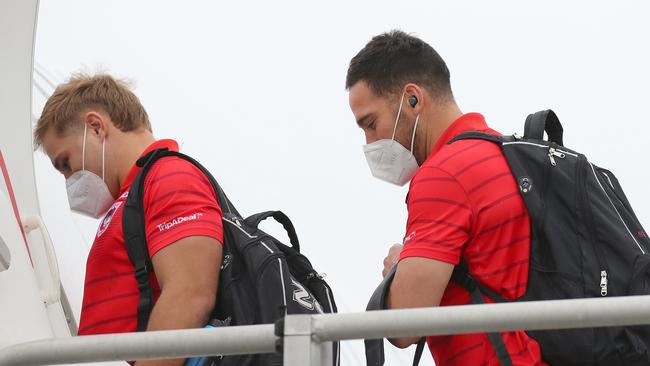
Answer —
(399, 111)
(103, 160)
(417, 119)
(83, 149)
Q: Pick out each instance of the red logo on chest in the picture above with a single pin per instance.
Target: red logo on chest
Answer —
(106, 221)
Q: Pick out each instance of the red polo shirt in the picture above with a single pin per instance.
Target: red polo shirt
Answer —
(179, 202)
(464, 202)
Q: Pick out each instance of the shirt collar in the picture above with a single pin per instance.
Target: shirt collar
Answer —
(467, 122)
(159, 144)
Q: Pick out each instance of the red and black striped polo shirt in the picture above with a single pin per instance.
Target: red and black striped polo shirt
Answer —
(464, 202)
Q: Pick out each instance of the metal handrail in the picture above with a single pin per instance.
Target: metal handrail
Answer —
(141, 346)
(445, 320)
(534, 315)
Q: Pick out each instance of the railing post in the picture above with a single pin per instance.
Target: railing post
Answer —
(300, 347)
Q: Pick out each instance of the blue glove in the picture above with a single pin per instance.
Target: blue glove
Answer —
(200, 361)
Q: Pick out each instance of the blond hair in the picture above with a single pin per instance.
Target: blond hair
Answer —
(62, 112)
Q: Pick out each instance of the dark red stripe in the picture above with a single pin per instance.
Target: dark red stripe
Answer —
(108, 277)
(519, 353)
(519, 240)
(462, 352)
(502, 269)
(488, 181)
(441, 200)
(156, 179)
(460, 152)
(503, 223)
(168, 215)
(516, 287)
(156, 292)
(188, 192)
(429, 241)
(433, 179)
(477, 162)
(112, 298)
(438, 222)
(497, 201)
(107, 321)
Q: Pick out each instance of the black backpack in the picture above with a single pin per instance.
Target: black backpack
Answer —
(261, 279)
(586, 241)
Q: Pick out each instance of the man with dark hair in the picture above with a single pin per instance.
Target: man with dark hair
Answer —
(463, 202)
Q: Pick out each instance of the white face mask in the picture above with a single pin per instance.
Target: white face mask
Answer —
(389, 160)
(88, 194)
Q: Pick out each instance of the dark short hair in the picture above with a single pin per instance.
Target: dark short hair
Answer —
(393, 59)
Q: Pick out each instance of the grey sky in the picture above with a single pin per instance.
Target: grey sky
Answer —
(255, 90)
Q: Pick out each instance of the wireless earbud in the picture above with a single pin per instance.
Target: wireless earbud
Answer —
(413, 100)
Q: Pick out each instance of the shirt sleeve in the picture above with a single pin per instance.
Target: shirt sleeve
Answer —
(439, 217)
(179, 202)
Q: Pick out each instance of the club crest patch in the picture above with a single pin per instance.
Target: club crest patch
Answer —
(107, 218)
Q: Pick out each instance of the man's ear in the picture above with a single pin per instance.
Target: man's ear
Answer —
(413, 90)
(97, 123)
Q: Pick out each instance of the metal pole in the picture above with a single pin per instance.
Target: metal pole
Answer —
(299, 346)
(533, 315)
(140, 346)
(307, 339)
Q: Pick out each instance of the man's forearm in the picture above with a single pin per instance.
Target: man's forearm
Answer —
(177, 310)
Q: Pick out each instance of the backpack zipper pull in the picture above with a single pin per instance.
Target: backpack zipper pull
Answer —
(552, 154)
(603, 283)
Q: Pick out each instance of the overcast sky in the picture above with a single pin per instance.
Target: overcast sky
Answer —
(255, 91)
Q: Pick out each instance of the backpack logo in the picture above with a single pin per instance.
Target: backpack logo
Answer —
(525, 184)
(227, 259)
(304, 298)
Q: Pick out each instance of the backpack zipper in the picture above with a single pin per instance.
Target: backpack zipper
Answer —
(588, 215)
(238, 225)
(539, 145)
(615, 209)
(603, 283)
(554, 153)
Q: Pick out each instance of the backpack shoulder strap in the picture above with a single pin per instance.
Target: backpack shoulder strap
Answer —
(462, 277)
(419, 349)
(133, 225)
(375, 347)
(135, 239)
(476, 135)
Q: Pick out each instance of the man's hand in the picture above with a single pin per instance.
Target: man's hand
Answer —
(188, 274)
(392, 258)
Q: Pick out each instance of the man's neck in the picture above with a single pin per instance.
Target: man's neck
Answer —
(129, 152)
(437, 123)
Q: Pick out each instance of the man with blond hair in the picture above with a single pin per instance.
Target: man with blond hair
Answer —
(94, 129)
